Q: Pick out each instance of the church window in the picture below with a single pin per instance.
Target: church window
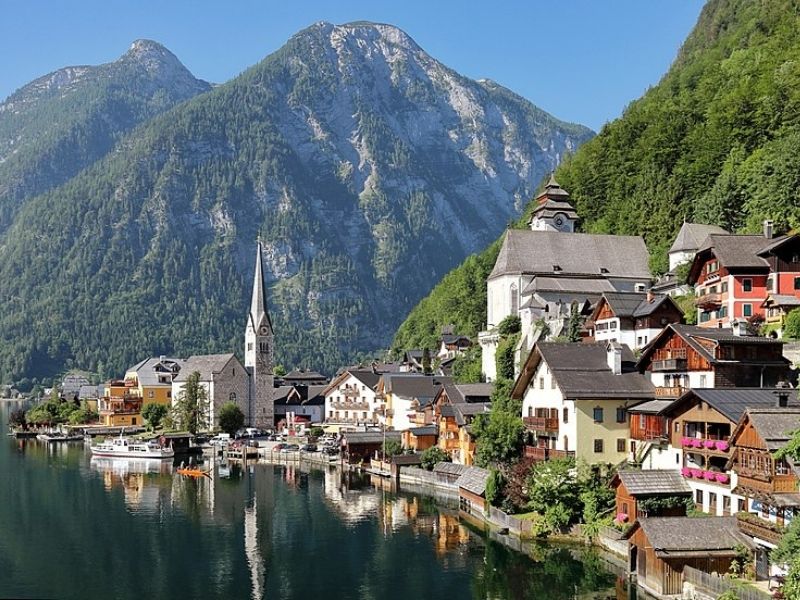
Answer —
(263, 347)
(514, 299)
(249, 346)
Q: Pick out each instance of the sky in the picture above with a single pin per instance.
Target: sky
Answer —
(580, 60)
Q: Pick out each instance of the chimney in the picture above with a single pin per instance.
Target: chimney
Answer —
(768, 229)
(782, 394)
(650, 296)
(614, 357)
(162, 358)
(740, 328)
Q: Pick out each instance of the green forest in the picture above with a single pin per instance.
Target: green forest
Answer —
(715, 141)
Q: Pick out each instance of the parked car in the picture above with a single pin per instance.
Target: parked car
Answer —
(308, 448)
(278, 447)
(221, 439)
(290, 448)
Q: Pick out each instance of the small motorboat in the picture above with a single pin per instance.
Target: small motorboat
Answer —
(192, 471)
(52, 437)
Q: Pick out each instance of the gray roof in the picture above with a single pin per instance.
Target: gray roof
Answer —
(426, 430)
(147, 370)
(581, 371)
(525, 251)
(692, 235)
(72, 383)
(629, 305)
(654, 482)
(473, 479)
(653, 407)
(371, 437)
(90, 391)
(205, 364)
(582, 285)
(366, 376)
(733, 402)
(782, 300)
(299, 375)
(306, 395)
(414, 386)
(475, 391)
(737, 251)
(449, 468)
(674, 536)
(775, 425)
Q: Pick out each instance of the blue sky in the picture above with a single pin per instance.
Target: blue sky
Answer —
(581, 60)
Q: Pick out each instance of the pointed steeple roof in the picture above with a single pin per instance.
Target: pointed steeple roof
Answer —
(258, 302)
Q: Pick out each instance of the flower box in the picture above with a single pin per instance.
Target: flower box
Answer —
(697, 443)
(710, 476)
(686, 472)
(722, 477)
(722, 445)
(697, 473)
(686, 441)
(621, 518)
(709, 444)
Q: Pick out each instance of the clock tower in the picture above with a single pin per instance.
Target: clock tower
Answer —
(553, 211)
(259, 353)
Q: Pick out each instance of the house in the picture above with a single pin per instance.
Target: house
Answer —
(454, 408)
(118, 408)
(775, 308)
(661, 547)
(420, 438)
(575, 398)
(471, 486)
(223, 378)
(689, 240)
(687, 356)
(151, 379)
(406, 395)
(546, 273)
(631, 318)
(452, 344)
(71, 385)
(448, 473)
(768, 485)
(662, 493)
(351, 400)
(361, 446)
(304, 403)
(734, 274)
(304, 377)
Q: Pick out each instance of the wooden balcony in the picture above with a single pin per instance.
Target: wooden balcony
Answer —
(670, 392)
(754, 526)
(541, 424)
(670, 364)
(709, 301)
(765, 482)
(539, 454)
(350, 405)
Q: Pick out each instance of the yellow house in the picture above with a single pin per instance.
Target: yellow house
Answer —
(455, 407)
(118, 408)
(151, 379)
(575, 398)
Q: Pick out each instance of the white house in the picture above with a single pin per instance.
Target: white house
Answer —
(351, 399)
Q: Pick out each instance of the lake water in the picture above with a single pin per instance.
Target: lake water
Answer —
(76, 527)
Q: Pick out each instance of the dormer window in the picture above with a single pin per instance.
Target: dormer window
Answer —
(556, 268)
(603, 270)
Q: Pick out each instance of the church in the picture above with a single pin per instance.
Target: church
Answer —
(544, 271)
(225, 379)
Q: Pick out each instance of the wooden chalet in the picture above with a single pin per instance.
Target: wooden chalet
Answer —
(686, 356)
(420, 438)
(661, 547)
(769, 485)
(471, 486)
(631, 318)
(635, 488)
(455, 407)
(358, 447)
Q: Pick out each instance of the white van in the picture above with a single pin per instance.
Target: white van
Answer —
(221, 439)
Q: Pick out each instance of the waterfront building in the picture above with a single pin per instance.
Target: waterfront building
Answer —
(575, 398)
(306, 403)
(151, 379)
(471, 486)
(259, 353)
(351, 400)
(361, 446)
(544, 273)
(631, 318)
(406, 395)
(454, 408)
(418, 439)
(687, 356)
(71, 385)
(635, 490)
(223, 378)
(118, 407)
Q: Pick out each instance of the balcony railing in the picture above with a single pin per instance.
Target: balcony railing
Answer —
(709, 301)
(669, 392)
(350, 405)
(670, 364)
(754, 526)
(541, 423)
(538, 454)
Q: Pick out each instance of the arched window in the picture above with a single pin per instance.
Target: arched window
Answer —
(514, 299)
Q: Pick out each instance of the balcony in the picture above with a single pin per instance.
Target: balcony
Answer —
(751, 525)
(670, 364)
(709, 301)
(350, 405)
(708, 444)
(541, 424)
(539, 454)
(670, 392)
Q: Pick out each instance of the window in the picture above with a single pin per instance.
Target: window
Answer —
(770, 283)
(698, 497)
(712, 502)
(705, 317)
(747, 310)
(797, 283)
(620, 444)
(530, 411)
(642, 421)
(249, 346)
(722, 312)
(747, 285)
(598, 446)
(726, 505)
(151, 394)
(598, 414)
(552, 383)
(702, 381)
(740, 505)
(639, 341)
(541, 383)
(263, 347)
(514, 299)
(566, 444)
(233, 372)
(621, 414)
(565, 415)
(723, 288)
(232, 397)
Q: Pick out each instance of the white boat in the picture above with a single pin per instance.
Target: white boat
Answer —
(58, 436)
(131, 448)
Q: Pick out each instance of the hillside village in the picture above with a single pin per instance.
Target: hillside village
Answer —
(591, 363)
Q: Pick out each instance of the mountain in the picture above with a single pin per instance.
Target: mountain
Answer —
(715, 142)
(368, 169)
(59, 124)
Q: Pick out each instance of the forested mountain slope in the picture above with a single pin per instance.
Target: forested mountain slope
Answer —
(368, 168)
(716, 141)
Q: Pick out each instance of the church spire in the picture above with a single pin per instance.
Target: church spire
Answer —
(258, 302)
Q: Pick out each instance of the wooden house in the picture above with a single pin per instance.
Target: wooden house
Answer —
(631, 318)
(687, 356)
(471, 486)
(420, 438)
(776, 307)
(656, 493)
(455, 407)
(661, 547)
(361, 446)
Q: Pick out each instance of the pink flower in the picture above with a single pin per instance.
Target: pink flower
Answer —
(686, 472)
(621, 518)
(697, 443)
(709, 444)
(686, 441)
(722, 477)
(722, 446)
(697, 473)
(710, 475)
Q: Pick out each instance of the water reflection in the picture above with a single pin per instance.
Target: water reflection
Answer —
(145, 484)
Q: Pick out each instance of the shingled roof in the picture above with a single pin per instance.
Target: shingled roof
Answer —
(737, 251)
(775, 425)
(654, 482)
(673, 537)
(692, 235)
(473, 479)
(205, 364)
(537, 252)
(732, 402)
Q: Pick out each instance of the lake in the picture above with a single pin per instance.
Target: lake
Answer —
(76, 527)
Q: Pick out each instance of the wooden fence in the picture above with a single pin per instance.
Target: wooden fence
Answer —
(719, 585)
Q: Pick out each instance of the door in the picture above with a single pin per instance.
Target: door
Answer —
(762, 563)
(633, 559)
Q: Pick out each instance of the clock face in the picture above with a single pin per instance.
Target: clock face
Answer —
(559, 221)
(264, 330)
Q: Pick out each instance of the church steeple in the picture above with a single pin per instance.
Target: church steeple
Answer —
(259, 315)
(553, 211)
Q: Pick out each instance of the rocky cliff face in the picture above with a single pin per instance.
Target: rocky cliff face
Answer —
(368, 168)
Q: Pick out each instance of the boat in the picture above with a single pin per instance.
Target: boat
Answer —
(132, 448)
(58, 436)
(193, 472)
